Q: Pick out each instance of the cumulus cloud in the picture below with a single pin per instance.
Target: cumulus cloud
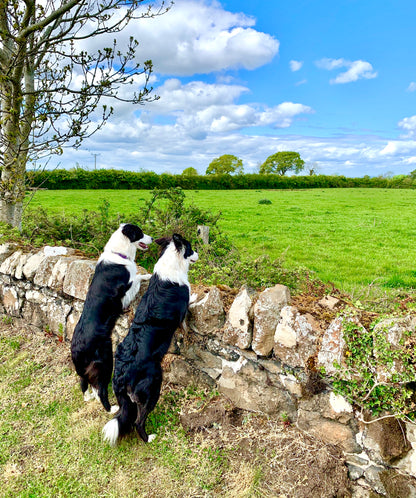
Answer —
(202, 108)
(198, 37)
(409, 126)
(295, 65)
(356, 70)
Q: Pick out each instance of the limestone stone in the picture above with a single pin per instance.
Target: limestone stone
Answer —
(6, 250)
(329, 406)
(18, 273)
(37, 297)
(394, 331)
(330, 302)
(329, 431)
(256, 397)
(32, 264)
(57, 251)
(72, 319)
(291, 384)
(296, 337)
(266, 316)
(250, 388)
(121, 328)
(59, 270)
(8, 267)
(33, 314)
(206, 316)
(373, 477)
(55, 316)
(385, 440)
(11, 301)
(354, 472)
(204, 360)
(44, 271)
(237, 329)
(78, 278)
(332, 346)
(178, 371)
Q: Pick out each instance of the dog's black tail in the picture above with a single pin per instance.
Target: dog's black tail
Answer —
(122, 423)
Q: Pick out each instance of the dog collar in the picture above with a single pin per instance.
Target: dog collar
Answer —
(121, 255)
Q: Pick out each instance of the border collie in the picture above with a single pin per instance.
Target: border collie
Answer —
(137, 372)
(113, 287)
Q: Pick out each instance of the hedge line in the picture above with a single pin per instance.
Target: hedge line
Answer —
(119, 179)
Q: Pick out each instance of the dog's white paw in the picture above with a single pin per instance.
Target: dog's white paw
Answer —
(88, 396)
(152, 437)
(193, 298)
(95, 394)
(146, 276)
(114, 409)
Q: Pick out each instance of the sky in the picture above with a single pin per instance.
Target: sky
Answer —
(334, 81)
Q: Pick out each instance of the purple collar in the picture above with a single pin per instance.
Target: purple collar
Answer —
(121, 255)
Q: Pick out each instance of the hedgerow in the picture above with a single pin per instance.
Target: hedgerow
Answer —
(79, 178)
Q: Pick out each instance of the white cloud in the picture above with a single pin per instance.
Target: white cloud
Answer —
(197, 37)
(411, 87)
(355, 69)
(409, 126)
(202, 108)
(171, 147)
(295, 65)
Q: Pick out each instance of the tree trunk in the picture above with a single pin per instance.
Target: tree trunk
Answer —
(11, 213)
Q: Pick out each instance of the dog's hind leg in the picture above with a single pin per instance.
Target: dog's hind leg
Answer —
(88, 396)
(103, 397)
(140, 423)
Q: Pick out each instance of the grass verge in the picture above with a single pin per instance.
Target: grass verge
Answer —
(51, 446)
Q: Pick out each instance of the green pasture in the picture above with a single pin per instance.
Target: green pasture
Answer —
(351, 237)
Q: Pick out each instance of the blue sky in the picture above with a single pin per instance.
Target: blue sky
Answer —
(335, 81)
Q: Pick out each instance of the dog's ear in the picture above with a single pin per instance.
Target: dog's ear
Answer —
(162, 242)
(132, 232)
(178, 241)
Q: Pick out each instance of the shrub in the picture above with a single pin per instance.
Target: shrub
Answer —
(265, 201)
(165, 213)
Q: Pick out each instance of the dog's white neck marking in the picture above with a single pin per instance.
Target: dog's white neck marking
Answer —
(172, 266)
(119, 245)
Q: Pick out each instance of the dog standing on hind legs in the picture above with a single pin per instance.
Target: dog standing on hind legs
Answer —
(137, 376)
(114, 285)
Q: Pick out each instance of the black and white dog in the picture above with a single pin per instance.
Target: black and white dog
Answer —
(114, 285)
(137, 372)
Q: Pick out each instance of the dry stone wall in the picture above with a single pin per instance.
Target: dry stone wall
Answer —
(257, 348)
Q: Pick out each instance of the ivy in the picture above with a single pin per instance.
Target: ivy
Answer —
(375, 375)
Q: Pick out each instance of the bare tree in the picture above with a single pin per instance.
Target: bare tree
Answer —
(51, 87)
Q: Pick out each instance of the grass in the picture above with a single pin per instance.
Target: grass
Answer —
(51, 445)
(351, 237)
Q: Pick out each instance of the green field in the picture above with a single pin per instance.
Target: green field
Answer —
(351, 237)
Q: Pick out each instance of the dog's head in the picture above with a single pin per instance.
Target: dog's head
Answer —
(126, 239)
(182, 247)
(175, 257)
(136, 236)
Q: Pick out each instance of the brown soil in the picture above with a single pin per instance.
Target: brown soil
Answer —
(292, 463)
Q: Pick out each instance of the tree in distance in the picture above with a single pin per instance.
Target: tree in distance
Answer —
(53, 77)
(190, 172)
(225, 165)
(282, 162)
